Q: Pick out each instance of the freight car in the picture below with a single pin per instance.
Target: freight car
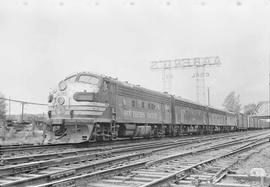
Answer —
(92, 107)
(242, 121)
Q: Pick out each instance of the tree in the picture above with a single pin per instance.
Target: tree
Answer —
(249, 109)
(2, 107)
(232, 103)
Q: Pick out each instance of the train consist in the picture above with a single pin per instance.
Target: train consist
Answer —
(91, 107)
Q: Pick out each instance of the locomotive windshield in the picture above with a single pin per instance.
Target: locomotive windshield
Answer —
(88, 79)
(71, 79)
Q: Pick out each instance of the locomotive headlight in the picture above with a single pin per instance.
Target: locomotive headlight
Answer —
(60, 100)
(62, 85)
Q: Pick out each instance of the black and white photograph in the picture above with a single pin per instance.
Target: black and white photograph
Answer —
(135, 93)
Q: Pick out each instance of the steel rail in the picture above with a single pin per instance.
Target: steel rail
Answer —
(56, 159)
(90, 167)
(174, 175)
(133, 147)
(22, 148)
(111, 171)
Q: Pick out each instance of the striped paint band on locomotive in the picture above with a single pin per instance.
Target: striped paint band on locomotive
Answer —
(51, 107)
(67, 113)
(86, 103)
(91, 113)
(75, 117)
(72, 121)
(86, 108)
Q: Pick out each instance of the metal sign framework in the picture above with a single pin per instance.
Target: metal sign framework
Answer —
(199, 63)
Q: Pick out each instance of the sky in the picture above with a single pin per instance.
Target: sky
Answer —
(43, 41)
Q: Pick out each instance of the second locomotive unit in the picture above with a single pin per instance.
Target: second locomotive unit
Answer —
(92, 107)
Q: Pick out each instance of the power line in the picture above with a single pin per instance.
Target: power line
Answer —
(24, 102)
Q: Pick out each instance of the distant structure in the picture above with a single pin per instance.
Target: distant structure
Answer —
(262, 110)
(199, 63)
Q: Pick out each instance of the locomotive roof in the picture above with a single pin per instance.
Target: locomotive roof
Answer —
(153, 91)
(125, 83)
(202, 105)
(189, 101)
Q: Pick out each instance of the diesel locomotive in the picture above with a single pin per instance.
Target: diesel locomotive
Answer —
(92, 107)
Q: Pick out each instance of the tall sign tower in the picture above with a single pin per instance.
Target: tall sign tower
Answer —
(198, 63)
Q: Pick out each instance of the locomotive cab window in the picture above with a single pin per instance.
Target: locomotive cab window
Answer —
(71, 79)
(106, 85)
(142, 104)
(88, 79)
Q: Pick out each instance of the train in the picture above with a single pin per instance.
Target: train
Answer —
(89, 107)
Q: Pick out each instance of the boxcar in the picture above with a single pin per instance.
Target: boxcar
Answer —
(242, 121)
(231, 119)
(245, 121)
(255, 121)
(250, 123)
(263, 124)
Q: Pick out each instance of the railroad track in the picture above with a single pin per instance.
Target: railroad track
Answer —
(8, 160)
(30, 149)
(52, 163)
(26, 150)
(89, 163)
(11, 150)
(164, 170)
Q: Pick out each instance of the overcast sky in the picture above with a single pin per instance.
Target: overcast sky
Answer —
(42, 41)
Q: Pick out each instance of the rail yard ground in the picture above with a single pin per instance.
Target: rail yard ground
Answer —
(189, 161)
(259, 159)
(26, 136)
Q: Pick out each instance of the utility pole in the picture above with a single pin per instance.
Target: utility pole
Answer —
(166, 80)
(9, 107)
(199, 63)
(22, 111)
(208, 93)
